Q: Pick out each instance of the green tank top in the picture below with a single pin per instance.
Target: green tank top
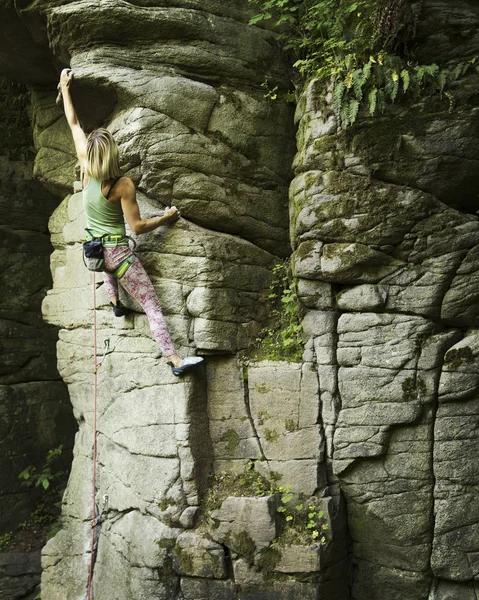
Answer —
(102, 216)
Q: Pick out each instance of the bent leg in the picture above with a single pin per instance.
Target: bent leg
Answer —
(137, 283)
(113, 258)
(111, 285)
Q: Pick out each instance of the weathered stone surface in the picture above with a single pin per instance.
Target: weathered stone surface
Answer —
(209, 291)
(363, 298)
(281, 590)
(299, 559)
(451, 590)
(132, 559)
(246, 525)
(35, 415)
(207, 589)
(284, 406)
(456, 540)
(381, 415)
(19, 575)
(374, 215)
(223, 157)
(233, 436)
(197, 556)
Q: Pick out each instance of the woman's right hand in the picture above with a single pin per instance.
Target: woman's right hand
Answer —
(172, 213)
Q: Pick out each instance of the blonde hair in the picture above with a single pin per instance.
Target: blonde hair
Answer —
(102, 156)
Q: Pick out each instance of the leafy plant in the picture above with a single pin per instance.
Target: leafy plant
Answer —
(303, 522)
(271, 92)
(32, 476)
(282, 338)
(360, 47)
(302, 519)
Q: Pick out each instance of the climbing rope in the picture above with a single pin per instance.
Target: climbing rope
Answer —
(94, 513)
(96, 518)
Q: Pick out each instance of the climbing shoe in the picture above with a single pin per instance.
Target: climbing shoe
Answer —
(119, 309)
(186, 363)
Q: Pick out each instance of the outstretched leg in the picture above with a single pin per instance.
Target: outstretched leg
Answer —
(137, 283)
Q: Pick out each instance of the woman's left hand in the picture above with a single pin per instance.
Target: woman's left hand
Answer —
(66, 77)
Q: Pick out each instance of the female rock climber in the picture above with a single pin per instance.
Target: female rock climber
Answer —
(108, 197)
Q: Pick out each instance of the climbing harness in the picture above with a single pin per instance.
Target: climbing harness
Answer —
(93, 255)
(124, 266)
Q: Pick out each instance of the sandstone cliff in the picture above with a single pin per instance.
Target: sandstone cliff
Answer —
(377, 425)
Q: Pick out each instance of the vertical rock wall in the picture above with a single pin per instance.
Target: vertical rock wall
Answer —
(181, 91)
(377, 426)
(35, 413)
(384, 251)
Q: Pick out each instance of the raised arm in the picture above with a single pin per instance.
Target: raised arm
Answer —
(131, 210)
(79, 137)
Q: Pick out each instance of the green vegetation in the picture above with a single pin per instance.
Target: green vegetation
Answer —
(457, 357)
(185, 560)
(45, 476)
(243, 481)
(242, 544)
(290, 425)
(43, 523)
(16, 140)
(6, 540)
(269, 558)
(364, 48)
(303, 522)
(166, 503)
(40, 526)
(282, 338)
(271, 435)
(262, 416)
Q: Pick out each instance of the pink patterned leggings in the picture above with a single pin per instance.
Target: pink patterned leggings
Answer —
(137, 283)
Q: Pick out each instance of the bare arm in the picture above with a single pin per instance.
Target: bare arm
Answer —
(79, 137)
(131, 210)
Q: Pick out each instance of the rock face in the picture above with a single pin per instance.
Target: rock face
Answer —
(35, 413)
(385, 255)
(376, 427)
(19, 575)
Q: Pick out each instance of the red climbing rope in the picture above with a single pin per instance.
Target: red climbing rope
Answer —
(93, 508)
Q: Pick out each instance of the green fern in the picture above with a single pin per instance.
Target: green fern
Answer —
(344, 115)
(373, 100)
(338, 95)
(406, 80)
(353, 110)
(358, 82)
